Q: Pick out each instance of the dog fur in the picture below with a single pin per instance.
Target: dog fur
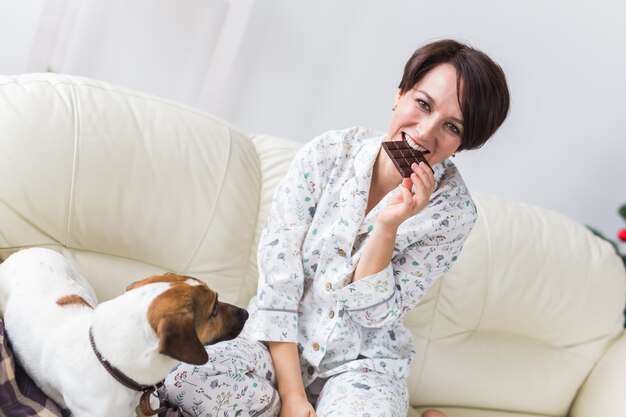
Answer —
(157, 323)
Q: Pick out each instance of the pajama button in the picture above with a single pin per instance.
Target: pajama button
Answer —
(316, 346)
(310, 370)
(341, 252)
(328, 286)
(331, 314)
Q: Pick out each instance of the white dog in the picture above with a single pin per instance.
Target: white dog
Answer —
(51, 313)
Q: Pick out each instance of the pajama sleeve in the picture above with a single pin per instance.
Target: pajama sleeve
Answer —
(281, 282)
(425, 249)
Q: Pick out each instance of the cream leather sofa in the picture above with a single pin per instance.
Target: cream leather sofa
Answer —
(527, 323)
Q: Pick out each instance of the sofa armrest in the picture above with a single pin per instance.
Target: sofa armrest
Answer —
(602, 394)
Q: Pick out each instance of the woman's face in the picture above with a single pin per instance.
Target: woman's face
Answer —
(428, 116)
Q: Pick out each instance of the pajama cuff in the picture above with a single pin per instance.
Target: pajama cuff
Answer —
(273, 325)
(369, 292)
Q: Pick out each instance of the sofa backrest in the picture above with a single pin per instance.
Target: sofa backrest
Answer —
(126, 185)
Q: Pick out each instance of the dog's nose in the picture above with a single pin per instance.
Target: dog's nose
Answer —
(244, 314)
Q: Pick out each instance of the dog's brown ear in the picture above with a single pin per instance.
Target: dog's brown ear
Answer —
(167, 277)
(134, 285)
(142, 282)
(178, 340)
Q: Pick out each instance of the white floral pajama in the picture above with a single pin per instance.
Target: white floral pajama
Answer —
(239, 380)
(307, 255)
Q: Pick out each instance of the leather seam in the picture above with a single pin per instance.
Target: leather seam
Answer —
(75, 167)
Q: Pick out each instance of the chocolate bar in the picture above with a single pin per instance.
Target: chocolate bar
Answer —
(403, 156)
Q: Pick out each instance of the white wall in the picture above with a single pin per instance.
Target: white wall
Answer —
(309, 67)
(19, 21)
(300, 68)
(159, 46)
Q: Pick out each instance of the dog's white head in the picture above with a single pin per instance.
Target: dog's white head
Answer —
(187, 316)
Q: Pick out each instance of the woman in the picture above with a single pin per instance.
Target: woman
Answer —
(349, 247)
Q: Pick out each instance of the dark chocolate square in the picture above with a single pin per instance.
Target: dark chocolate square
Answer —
(403, 156)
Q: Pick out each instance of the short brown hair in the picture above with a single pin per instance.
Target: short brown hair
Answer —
(483, 93)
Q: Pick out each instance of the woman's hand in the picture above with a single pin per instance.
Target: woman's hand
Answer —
(296, 406)
(405, 203)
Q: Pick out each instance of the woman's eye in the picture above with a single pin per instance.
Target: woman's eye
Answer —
(454, 129)
(423, 104)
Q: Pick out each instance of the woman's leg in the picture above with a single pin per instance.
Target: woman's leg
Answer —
(238, 380)
(363, 394)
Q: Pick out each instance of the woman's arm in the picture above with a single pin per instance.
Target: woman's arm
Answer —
(385, 286)
(289, 380)
(378, 249)
(281, 279)
(377, 252)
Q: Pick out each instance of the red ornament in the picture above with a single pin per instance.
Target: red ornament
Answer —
(621, 234)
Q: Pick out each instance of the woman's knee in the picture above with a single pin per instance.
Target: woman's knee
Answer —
(238, 376)
(363, 393)
(204, 393)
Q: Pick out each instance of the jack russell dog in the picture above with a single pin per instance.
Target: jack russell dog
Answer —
(102, 360)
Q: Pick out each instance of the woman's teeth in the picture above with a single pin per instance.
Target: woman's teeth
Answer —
(413, 144)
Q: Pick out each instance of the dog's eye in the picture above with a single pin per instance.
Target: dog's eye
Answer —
(214, 310)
